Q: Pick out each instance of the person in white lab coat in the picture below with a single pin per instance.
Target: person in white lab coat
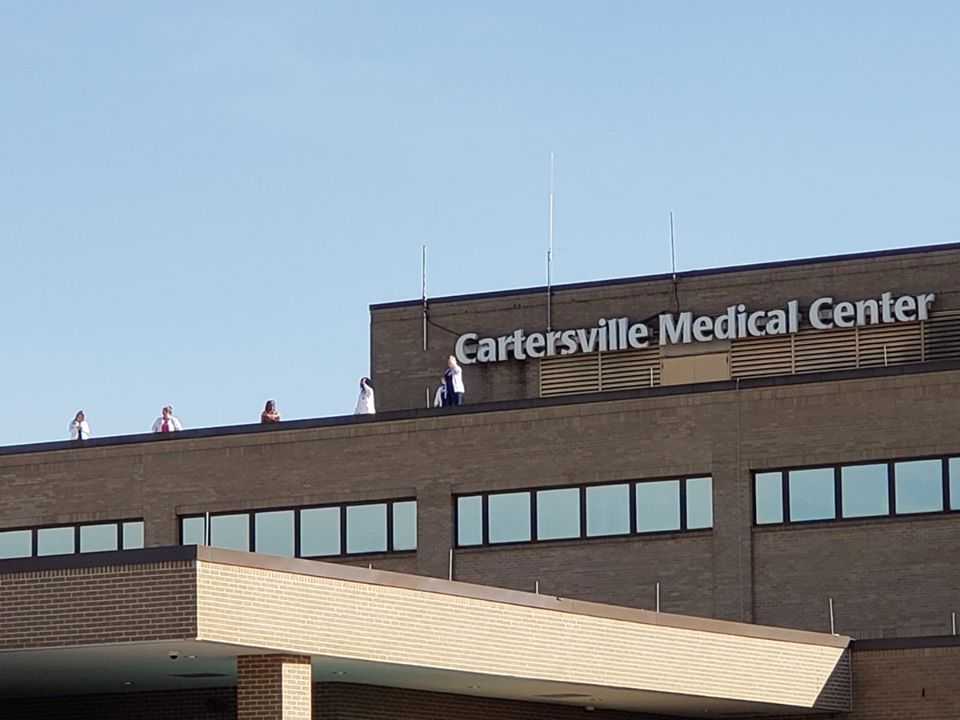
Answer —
(79, 429)
(365, 403)
(167, 422)
(453, 380)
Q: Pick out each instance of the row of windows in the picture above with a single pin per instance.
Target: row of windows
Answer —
(326, 531)
(69, 539)
(585, 511)
(863, 490)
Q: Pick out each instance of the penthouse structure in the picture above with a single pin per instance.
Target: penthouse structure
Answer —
(694, 508)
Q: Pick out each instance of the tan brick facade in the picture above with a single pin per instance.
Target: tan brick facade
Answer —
(274, 687)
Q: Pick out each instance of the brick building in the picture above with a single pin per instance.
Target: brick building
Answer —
(735, 493)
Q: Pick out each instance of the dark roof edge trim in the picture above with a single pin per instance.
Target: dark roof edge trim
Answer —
(110, 558)
(907, 643)
(704, 272)
(496, 406)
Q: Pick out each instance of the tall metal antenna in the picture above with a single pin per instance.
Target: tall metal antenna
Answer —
(673, 264)
(673, 250)
(550, 248)
(423, 291)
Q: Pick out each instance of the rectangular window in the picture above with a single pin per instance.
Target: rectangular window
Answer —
(320, 532)
(273, 532)
(193, 531)
(509, 517)
(699, 503)
(768, 492)
(865, 490)
(558, 514)
(405, 525)
(16, 544)
(98, 538)
(367, 528)
(918, 486)
(231, 532)
(658, 506)
(56, 541)
(608, 510)
(954, 468)
(812, 494)
(469, 520)
(133, 535)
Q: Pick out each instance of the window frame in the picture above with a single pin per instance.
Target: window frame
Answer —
(631, 484)
(297, 509)
(892, 512)
(35, 532)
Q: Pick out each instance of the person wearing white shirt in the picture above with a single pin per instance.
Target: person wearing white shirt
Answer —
(365, 403)
(79, 429)
(167, 422)
(453, 379)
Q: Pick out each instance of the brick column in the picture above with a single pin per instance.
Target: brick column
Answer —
(274, 687)
(434, 529)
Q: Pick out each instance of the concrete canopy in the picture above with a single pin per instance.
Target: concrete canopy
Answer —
(107, 622)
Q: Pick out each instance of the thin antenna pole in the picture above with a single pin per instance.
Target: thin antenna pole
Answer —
(953, 619)
(673, 264)
(450, 566)
(673, 250)
(423, 291)
(550, 249)
(658, 596)
(832, 625)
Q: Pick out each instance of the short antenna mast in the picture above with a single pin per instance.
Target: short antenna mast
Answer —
(673, 263)
(423, 291)
(550, 248)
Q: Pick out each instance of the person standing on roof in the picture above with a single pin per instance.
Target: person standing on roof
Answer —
(167, 422)
(365, 403)
(453, 381)
(270, 413)
(79, 429)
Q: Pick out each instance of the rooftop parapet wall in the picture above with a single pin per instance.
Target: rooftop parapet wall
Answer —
(405, 375)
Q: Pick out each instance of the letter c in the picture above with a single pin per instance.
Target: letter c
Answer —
(461, 349)
(815, 314)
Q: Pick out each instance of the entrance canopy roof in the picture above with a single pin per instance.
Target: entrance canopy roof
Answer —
(111, 622)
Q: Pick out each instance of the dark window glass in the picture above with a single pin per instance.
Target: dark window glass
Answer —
(768, 490)
(193, 531)
(320, 532)
(367, 528)
(955, 483)
(469, 520)
(558, 514)
(658, 506)
(55, 541)
(811, 494)
(273, 532)
(15, 544)
(864, 490)
(98, 538)
(608, 510)
(918, 485)
(231, 532)
(133, 535)
(405, 525)
(509, 517)
(699, 503)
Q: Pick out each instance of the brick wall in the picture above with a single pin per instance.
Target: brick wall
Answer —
(212, 704)
(401, 369)
(733, 572)
(274, 687)
(155, 601)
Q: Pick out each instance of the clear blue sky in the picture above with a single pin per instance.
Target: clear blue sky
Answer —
(198, 201)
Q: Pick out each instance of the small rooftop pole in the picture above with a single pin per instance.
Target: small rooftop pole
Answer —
(423, 291)
(550, 248)
(673, 263)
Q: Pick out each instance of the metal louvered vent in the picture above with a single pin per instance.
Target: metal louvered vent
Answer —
(761, 356)
(808, 351)
(575, 374)
(942, 336)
